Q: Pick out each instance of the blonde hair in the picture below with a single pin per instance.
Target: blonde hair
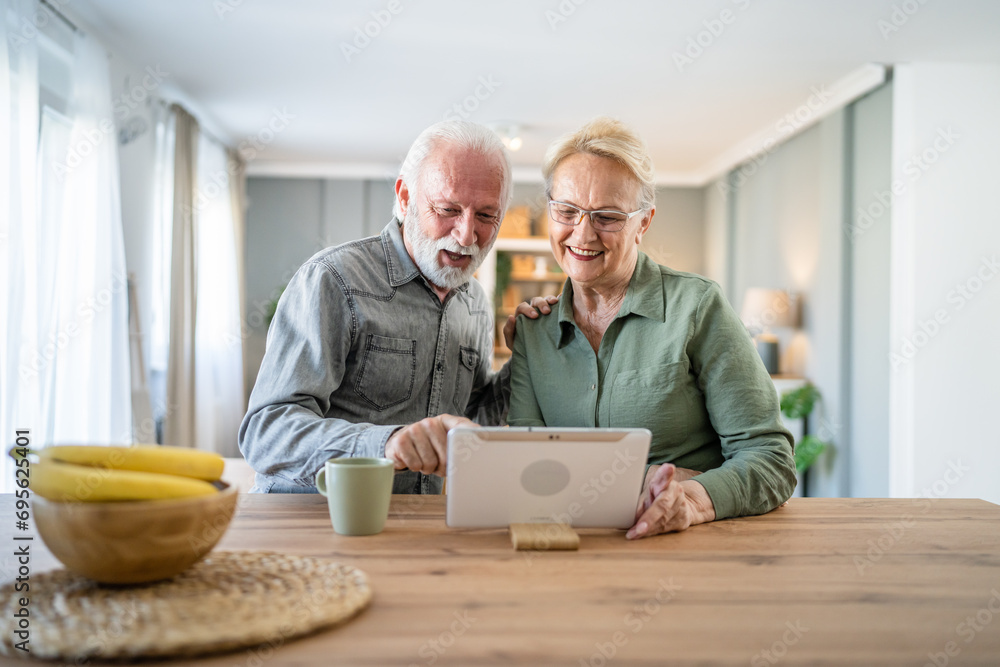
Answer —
(610, 138)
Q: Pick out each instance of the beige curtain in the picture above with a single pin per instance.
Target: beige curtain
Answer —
(179, 420)
(237, 194)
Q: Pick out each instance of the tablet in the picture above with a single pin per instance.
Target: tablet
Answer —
(586, 477)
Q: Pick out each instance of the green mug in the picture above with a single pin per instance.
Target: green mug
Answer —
(357, 492)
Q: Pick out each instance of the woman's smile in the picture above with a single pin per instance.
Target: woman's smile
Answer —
(583, 254)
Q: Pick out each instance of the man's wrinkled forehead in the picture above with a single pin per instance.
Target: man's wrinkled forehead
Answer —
(454, 173)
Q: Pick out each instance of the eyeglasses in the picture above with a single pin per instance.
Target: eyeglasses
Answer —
(602, 221)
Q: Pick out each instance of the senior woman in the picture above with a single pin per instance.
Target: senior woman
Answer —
(632, 343)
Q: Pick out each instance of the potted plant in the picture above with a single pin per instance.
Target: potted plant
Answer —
(503, 270)
(271, 307)
(799, 404)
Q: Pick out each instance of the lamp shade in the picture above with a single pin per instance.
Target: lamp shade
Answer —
(765, 308)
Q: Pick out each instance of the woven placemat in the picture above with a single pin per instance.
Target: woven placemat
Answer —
(229, 600)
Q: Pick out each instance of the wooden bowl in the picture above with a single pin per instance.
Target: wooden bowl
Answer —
(134, 541)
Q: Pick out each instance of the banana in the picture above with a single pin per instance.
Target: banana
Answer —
(141, 458)
(59, 481)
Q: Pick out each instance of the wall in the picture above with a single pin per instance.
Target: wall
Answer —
(283, 230)
(786, 232)
(945, 290)
(676, 237)
(868, 250)
(882, 215)
(715, 242)
(288, 221)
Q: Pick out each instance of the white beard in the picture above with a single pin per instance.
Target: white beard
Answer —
(425, 254)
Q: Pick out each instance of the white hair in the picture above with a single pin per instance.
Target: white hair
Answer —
(461, 133)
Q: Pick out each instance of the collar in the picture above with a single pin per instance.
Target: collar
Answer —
(402, 269)
(645, 297)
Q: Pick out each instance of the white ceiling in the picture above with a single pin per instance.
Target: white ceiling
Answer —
(553, 64)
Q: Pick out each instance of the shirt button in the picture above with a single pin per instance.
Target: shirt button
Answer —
(593, 387)
(440, 366)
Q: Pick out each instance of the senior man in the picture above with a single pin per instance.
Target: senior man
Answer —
(380, 346)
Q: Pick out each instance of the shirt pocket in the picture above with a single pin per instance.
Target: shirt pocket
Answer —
(469, 362)
(388, 369)
(659, 397)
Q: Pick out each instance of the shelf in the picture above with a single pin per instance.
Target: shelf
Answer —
(535, 278)
(527, 281)
(523, 244)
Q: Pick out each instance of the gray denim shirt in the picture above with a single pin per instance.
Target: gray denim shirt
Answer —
(359, 346)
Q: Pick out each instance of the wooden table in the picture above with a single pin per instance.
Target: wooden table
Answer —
(819, 582)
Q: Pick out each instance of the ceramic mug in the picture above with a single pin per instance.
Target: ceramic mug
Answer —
(357, 492)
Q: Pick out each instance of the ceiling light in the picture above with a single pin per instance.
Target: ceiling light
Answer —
(509, 133)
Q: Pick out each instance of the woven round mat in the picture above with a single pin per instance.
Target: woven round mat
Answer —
(226, 601)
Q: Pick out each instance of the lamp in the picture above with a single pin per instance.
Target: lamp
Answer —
(763, 309)
(509, 133)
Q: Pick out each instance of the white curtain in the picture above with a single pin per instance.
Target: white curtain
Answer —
(163, 221)
(201, 276)
(88, 393)
(19, 268)
(218, 345)
(237, 202)
(179, 422)
(64, 298)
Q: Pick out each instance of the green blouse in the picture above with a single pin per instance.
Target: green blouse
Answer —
(675, 360)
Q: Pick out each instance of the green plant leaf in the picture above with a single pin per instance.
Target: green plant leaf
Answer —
(807, 451)
(504, 267)
(799, 403)
(271, 307)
